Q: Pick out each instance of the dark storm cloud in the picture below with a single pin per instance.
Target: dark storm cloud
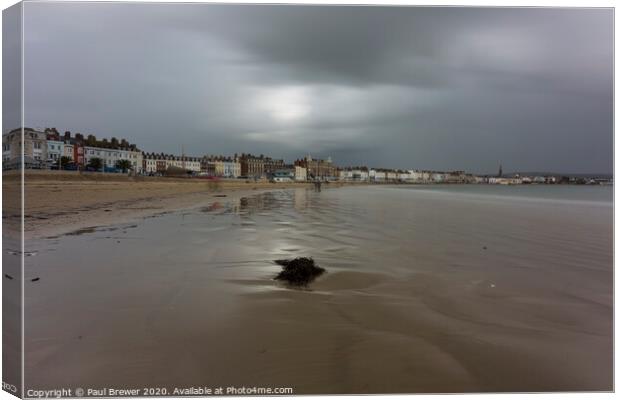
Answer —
(444, 88)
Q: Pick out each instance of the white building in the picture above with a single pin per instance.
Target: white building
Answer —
(504, 181)
(185, 162)
(301, 173)
(149, 163)
(110, 157)
(193, 164)
(438, 177)
(481, 179)
(346, 175)
(404, 176)
(380, 176)
(231, 167)
(135, 158)
(67, 150)
(152, 162)
(55, 150)
(416, 176)
(354, 174)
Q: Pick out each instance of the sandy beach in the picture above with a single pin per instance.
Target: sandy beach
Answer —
(425, 291)
(61, 202)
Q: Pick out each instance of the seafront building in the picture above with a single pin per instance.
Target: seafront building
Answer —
(318, 169)
(403, 176)
(416, 176)
(504, 181)
(220, 166)
(379, 175)
(252, 166)
(283, 175)
(273, 165)
(34, 150)
(150, 163)
(67, 150)
(55, 150)
(354, 174)
(301, 173)
(111, 157)
(231, 167)
(259, 166)
(159, 163)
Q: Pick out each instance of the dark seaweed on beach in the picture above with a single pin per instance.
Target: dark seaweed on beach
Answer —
(298, 271)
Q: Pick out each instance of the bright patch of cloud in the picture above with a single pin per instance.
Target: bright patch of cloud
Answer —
(284, 104)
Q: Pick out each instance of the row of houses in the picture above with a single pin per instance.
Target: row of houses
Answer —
(44, 149)
(244, 165)
(47, 149)
(364, 174)
(519, 180)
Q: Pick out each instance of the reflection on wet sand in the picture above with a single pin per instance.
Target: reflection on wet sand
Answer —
(424, 292)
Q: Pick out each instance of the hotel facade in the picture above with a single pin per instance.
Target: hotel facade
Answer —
(158, 163)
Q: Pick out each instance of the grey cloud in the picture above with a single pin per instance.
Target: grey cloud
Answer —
(445, 88)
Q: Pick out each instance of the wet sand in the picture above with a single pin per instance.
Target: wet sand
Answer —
(425, 292)
(61, 202)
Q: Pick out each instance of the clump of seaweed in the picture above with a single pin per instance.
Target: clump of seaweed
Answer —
(298, 271)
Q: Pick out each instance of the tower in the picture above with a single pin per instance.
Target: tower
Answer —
(499, 175)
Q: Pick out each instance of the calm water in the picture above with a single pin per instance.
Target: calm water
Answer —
(484, 287)
(565, 193)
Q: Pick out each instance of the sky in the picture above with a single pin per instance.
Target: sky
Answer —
(397, 87)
